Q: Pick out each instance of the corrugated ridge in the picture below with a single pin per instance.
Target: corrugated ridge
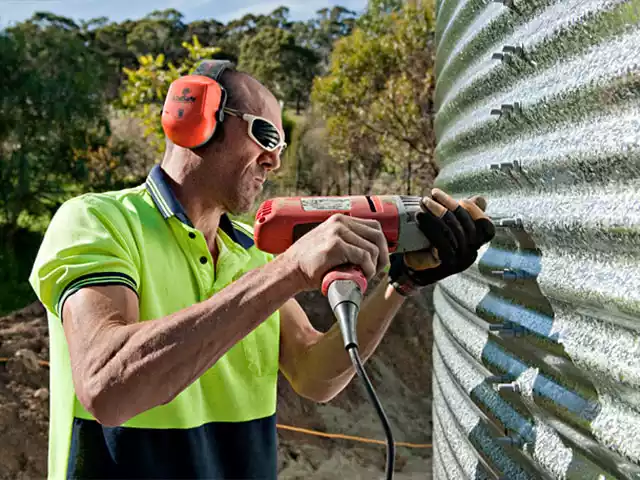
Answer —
(518, 331)
(570, 92)
(556, 453)
(462, 28)
(468, 455)
(438, 468)
(592, 263)
(475, 43)
(455, 410)
(539, 111)
(592, 154)
(446, 15)
(616, 372)
(541, 40)
(574, 407)
(560, 398)
(438, 8)
(467, 463)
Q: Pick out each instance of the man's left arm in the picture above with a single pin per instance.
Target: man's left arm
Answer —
(317, 364)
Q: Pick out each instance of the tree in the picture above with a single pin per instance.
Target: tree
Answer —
(209, 32)
(328, 26)
(275, 59)
(52, 107)
(377, 94)
(161, 31)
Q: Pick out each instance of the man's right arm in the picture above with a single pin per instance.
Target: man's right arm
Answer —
(122, 367)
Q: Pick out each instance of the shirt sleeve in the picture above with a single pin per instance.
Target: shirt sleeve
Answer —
(88, 242)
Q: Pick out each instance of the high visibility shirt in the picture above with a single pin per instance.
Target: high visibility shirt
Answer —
(220, 426)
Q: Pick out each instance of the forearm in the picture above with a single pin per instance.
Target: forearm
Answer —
(149, 363)
(326, 367)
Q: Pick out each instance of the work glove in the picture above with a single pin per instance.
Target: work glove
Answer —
(456, 231)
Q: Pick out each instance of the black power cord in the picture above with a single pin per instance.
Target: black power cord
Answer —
(391, 446)
(345, 296)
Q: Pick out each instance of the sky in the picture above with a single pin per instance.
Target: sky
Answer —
(12, 11)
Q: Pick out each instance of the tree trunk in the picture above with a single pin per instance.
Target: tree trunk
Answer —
(298, 169)
(409, 177)
(349, 189)
(298, 104)
(373, 172)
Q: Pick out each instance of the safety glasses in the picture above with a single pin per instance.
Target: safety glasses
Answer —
(261, 130)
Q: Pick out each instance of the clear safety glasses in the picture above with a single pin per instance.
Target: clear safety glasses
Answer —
(261, 130)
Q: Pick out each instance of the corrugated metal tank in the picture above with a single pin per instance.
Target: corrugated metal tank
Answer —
(537, 347)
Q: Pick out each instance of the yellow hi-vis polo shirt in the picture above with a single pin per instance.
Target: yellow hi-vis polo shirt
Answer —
(220, 426)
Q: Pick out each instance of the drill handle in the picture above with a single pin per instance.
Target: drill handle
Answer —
(344, 272)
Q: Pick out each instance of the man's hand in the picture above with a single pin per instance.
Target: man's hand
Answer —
(339, 240)
(456, 232)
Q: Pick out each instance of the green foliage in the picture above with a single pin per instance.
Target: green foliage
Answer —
(51, 109)
(286, 68)
(158, 32)
(377, 95)
(260, 56)
(124, 159)
(320, 33)
(307, 167)
(60, 78)
(378, 10)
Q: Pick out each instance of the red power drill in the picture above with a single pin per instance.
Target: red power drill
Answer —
(281, 221)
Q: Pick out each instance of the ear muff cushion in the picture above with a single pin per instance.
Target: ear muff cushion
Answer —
(191, 109)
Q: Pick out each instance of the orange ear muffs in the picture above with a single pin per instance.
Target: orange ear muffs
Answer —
(193, 109)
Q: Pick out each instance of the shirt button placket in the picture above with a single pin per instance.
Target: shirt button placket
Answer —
(204, 276)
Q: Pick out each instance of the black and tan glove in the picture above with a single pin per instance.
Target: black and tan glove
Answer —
(456, 231)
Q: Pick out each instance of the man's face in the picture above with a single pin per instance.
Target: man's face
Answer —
(241, 165)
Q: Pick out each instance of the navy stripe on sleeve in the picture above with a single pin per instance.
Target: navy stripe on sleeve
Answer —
(100, 278)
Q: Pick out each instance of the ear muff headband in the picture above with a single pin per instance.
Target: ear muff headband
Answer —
(194, 105)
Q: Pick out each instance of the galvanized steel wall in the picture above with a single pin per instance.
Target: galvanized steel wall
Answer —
(537, 346)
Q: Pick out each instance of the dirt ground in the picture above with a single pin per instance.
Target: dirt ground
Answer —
(400, 371)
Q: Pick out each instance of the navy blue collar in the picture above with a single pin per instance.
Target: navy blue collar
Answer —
(170, 206)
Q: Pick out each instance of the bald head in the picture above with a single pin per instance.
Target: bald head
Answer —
(245, 93)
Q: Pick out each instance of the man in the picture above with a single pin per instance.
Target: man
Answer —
(168, 327)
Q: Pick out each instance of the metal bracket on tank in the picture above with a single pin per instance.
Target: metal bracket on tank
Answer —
(510, 111)
(511, 441)
(512, 169)
(507, 109)
(507, 329)
(493, 379)
(510, 4)
(509, 52)
(508, 387)
(507, 274)
(507, 166)
(520, 52)
(508, 222)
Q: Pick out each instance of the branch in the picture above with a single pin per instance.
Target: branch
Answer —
(400, 138)
(349, 107)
